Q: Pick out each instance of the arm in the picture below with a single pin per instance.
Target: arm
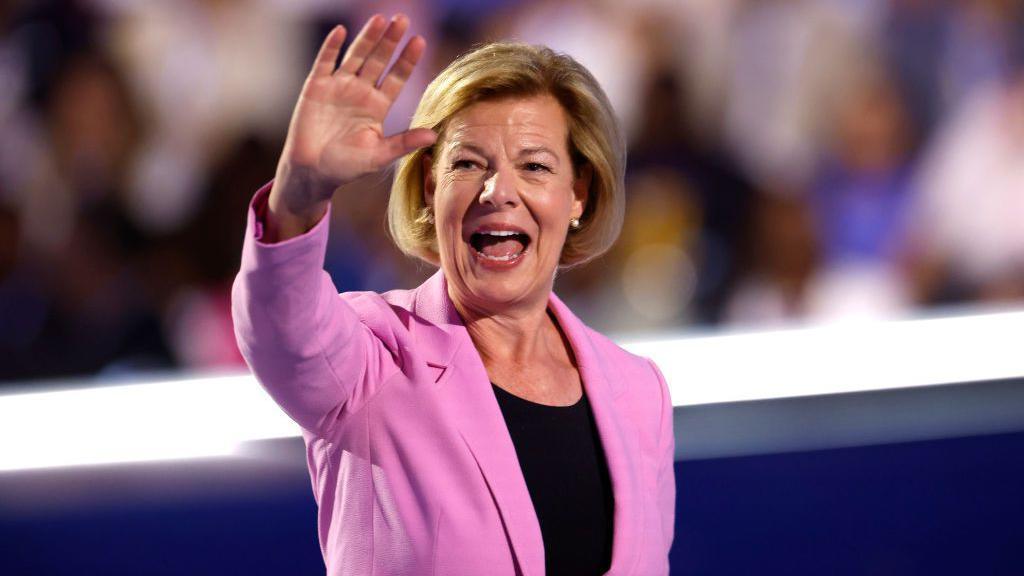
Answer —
(303, 342)
(666, 495)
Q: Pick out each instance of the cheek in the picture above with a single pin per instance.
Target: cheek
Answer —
(449, 228)
(450, 207)
(456, 194)
(554, 209)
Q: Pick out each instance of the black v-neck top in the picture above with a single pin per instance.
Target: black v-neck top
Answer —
(566, 473)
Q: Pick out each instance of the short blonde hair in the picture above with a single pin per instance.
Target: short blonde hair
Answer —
(503, 70)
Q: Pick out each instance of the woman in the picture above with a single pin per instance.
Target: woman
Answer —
(472, 425)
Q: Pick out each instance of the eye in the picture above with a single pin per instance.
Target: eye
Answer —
(536, 167)
(464, 164)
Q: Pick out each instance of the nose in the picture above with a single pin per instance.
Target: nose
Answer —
(500, 189)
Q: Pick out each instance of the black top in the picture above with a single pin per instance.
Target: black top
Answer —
(563, 463)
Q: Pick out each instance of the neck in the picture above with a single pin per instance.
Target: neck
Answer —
(518, 335)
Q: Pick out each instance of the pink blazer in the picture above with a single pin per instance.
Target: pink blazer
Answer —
(412, 466)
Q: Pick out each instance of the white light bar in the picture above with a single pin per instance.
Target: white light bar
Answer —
(837, 358)
(180, 419)
(214, 416)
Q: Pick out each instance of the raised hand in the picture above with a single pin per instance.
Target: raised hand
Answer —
(336, 131)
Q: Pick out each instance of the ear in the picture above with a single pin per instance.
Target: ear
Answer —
(429, 183)
(581, 190)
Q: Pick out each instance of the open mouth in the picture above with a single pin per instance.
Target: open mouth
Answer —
(499, 245)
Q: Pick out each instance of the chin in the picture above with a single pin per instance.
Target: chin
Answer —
(493, 286)
(502, 289)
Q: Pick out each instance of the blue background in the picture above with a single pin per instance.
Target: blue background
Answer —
(949, 506)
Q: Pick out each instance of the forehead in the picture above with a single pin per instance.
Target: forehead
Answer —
(538, 118)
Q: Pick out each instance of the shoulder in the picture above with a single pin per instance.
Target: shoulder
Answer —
(403, 313)
(640, 392)
(627, 373)
(630, 375)
(424, 304)
(382, 312)
(616, 354)
(371, 304)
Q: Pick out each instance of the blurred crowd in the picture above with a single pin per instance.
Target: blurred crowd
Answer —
(789, 160)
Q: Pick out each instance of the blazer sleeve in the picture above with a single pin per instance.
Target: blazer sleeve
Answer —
(305, 345)
(666, 489)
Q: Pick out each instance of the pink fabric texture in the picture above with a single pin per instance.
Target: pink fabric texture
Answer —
(412, 466)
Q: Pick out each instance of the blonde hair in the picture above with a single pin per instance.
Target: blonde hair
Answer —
(503, 70)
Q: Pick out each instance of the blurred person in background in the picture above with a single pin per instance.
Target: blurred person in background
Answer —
(647, 281)
(687, 205)
(781, 257)
(570, 26)
(191, 64)
(912, 36)
(968, 241)
(941, 51)
(782, 74)
(199, 263)
(861, 196)
(23, 304)
(837, 249)
(472, 425)
(671, 143)
(978, 48)
(91, 311)
(91, 129)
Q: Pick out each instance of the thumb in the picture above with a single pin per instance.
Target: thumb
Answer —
(403, 143)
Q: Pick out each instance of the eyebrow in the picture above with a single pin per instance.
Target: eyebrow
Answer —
(456, 145)
(538, 150)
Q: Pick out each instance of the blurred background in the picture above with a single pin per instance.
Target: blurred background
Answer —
(791, 162)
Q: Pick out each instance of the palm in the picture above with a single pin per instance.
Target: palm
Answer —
(337, 126)
(336, 130)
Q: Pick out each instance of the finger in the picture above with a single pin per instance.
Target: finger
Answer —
(363, 44)
(381, 54)
(328, 55)
(392, 83)
(403, 143)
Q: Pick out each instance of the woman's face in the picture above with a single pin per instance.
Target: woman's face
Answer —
(503, 190)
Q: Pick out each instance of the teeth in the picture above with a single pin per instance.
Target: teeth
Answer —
(500, 258)
(502, 234)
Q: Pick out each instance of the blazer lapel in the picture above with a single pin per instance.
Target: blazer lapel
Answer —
(463, 384)
(469, 401)
(601, 380)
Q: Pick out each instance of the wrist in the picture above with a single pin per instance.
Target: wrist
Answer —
(283, 225)
(299, 189)
(297, 202)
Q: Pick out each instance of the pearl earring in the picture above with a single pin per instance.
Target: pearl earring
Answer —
(574, 223)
